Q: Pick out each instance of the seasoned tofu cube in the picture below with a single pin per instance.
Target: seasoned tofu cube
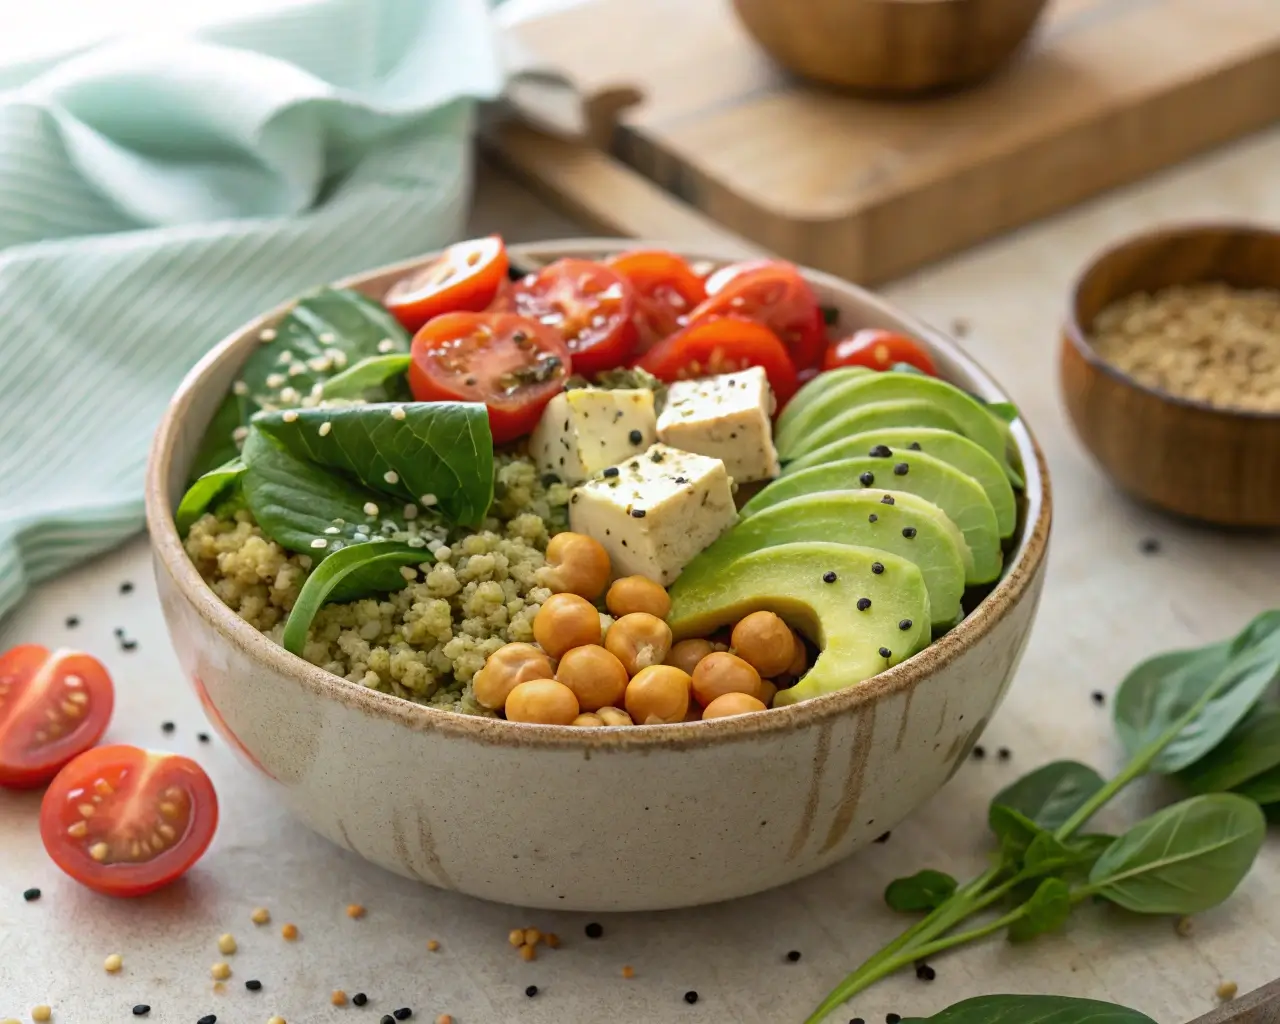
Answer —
(655, 511)
(726, 417)
(584, 430)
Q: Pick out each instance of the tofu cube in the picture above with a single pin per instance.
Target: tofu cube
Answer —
(655, 511)
(726, 417)
(586, 429)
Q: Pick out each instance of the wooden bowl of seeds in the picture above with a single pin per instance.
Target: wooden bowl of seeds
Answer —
(1170, 370)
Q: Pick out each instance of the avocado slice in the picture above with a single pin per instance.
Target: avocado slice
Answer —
(900, 412)
(943, 444)
(937, 547)
(957, 494)
(792, 580)
(815, 388)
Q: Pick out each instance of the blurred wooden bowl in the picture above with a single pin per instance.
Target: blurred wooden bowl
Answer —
(1216, 465)
(890, 46)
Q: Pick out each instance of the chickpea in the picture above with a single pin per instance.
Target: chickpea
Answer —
(576, 564)
(595, 676)
(638, 640)
(614, 716)
(687, 653)
(637, 594)
(542, 701)
(566, 621)
(658, 694)
(588, 719)
(768, 688)
(505, 668)
(721, 673)
(764, 641)
(800, 663)
(732, 704)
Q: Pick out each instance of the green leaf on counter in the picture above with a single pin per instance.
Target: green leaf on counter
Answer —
(924, 890)
(1011, 1009)
(1049, 795)
(205, 491)
(375, 379)
(1251, 749)
(1046, 911)
(1014, 830)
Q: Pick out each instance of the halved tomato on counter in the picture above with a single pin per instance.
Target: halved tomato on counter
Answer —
(513, 364)
(463, 278)
(878, 349)
(725, 344)
(666, 289)
(125, 821)
(775, 294)
(53, 706)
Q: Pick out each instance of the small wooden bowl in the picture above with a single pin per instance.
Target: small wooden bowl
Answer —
(1216, 465)
(890, 46)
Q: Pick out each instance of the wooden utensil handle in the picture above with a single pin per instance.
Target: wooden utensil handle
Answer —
(1261, 1006)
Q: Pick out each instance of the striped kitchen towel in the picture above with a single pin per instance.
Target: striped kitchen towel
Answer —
(157, 192)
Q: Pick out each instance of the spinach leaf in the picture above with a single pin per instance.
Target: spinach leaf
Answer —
(353, 572)
(373, 379)
(440, 451)
(204, 492)
(1264, 788)
(925, 890)
(1033, 1010)
(1251, 749)
(1049, 795)
(1183, 859)
(1046, 911)
(218, 447)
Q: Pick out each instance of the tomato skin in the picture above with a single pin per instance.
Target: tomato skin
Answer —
(666, 290)
(592, 306)
(144, 791)
(879, 349)
(465, 277)
(35, 682)
(467, 357)
(723, 345)
(775, 294)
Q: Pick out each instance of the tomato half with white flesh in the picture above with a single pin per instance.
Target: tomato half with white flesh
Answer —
(125, 821)
(724, 345)
(513, 364)
(592, 307)
(465, 277)
(776, 295)
(666, 288)
(53, 706)
(718, 278)
(878, 349)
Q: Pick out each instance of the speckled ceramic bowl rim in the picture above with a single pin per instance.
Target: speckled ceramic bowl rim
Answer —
(1025, 562)
(1079, 337)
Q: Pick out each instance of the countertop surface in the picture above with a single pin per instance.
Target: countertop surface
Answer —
(1107, 604)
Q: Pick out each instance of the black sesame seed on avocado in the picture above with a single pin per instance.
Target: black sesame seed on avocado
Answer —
(908, 532)
(864, 603)
(885, 652)
(880, 451)
(829, 576)
(904, 624)
(877, 567)
(867, 478)
(872, 518)
(900, 469)
(887, 500)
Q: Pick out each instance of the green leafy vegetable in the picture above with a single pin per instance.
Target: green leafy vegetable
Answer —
(1046, 911)
(436, 453)
(1006, 411)
(218, 446)
(1251, 749)
(1264, 788)
(1033, 1010)
(924, 890)
(372, 379)
(1013, 829)
(205, 491)
(1049, 795)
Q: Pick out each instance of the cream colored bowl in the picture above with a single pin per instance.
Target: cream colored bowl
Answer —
(551, 816)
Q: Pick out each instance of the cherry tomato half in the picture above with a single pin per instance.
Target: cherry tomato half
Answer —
(776, 295)
(878, 349)
(125, 821)
(592, 307)
(465, 277)
(666, 290)
(53, 706)
(513, 364)
(723, 345)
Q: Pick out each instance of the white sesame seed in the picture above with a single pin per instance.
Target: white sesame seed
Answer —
(276, 380)
(319, 542)
(289, 395)
(359, 537)
(332, 530)
(240, 388)
(284, 358)
(267, 334)
(325, 427)
(290, 416)
(320, 363)
(297, 369)
(370, 509)
(391, 476)
(397, 412)
(428, 500)
(240, 433)
(326, 338)
(339, 358)
(386, 345)
(411, 511)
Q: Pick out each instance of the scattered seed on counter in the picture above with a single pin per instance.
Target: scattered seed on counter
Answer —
(925, 973)
(594, 930)
(857, 1020)
(516, 937)
(359, 999)
(167, 727)
(203, 737)
(1149, 546)
(1184, 926)
(355, 911)
(141, 1010)
(404, 1013)
(531, 991)
(113, 963)
(960, 327)
(31, 895)
(275, 1020)
(979, 752)
(41, 1013)
(220, 971)
(226, 945)
(289, 932)
(794, 955)
(253, 985)
(387, 1019)
(691, 997)
(126, 587)
(628, 972)
(128, 645)
(1004, 753)
(1099, 697)
(444, 1018)
(891, 1018)
(528, 953)
(532, 936)
(71, 622)
(338, 997)
(883, 837)
(433, 945)
(552, 940)
(210, 1018)
(1227, 991)
(260, 915)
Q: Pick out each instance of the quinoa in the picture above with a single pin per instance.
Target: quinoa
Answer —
(426, 642)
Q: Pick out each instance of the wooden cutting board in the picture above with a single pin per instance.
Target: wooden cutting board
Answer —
(1107, 92)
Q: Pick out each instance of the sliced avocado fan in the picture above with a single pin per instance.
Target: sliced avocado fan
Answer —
(866, 610)
(910, 528)
(808, 394)
(942, 444)
(900, 412)
(957, 494)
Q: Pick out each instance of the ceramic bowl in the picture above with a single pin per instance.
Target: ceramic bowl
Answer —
(625, 819)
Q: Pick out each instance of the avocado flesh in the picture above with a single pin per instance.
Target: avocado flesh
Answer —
(810, 393)
(958, 495)
(901, 412)
(858, 518)
(790, 580)
(950, 447)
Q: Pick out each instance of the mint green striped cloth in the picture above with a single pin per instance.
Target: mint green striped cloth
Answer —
(157, 192)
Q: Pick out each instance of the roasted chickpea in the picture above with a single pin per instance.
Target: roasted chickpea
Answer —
(764, 641)
(614, 716)
(800, 663)
(588, 719)
(542, 701)
(768, 688)
(658, 694)
(721, 673)
(732, 704)
(505, 668)
(566, 621)
(638, 640)
(576, 564)
(687, 653)
(595, 676)
(637, 594)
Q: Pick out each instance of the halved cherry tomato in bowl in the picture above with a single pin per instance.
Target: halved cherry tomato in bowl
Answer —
(774, 294)
(726, 344)
(666, 290)
(465, 277)
(125, 821)
(53, 706)
(878, 349)
(592, 307)
(513, 364)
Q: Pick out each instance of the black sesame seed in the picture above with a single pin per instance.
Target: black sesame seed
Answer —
(887, 500)
(900, 469)
(856, 1020)
(404, 1013)
(829, 576)
(531, 991)
(904, 624)
(682, 479)
(126, 587)
(128, 645)
(877, 567)
(611, 471)
(691, 997)
(872, 518)
(211, 1018)
(794, 955)
(1099, 697)
(1149, 546)
(925, 973)
(594, 930)
(31, 895)
(656, 457)
(1004, 753)
(167, 727)
(254, 985)
(915, 446)
(141, 1010)
(203, 737)
(908, 532)
(883, 837)
(885, 652)
(635, 437)
(359, 999)
(867, 478)
(864, 603)
(72, 622)
(637, 513)
(979, 752)
(880, 451)
(891, 1018)
(118, 631)
(387, 1019)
